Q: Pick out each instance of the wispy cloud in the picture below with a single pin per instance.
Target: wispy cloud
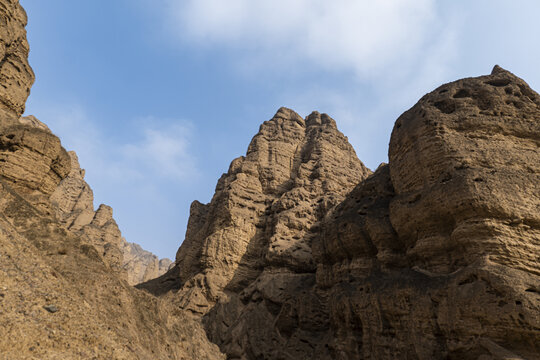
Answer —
(159, 149)
(165, 151)
(361, 36)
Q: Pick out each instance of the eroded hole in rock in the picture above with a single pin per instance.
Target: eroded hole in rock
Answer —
(531, 290)
(469, 280)
(498, 82)
(462, 94)
(478, 179)
(415, 198)
(446, 106)
(519, 104)
(443, 91)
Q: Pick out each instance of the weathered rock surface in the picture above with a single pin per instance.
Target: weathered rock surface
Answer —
(60, 294)
(73, 201)
(266, 210)
(303, 253)
(16, 75)
(142, 265)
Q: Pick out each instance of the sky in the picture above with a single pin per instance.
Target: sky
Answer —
(157, 97)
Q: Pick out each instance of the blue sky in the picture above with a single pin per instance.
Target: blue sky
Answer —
(158, 96)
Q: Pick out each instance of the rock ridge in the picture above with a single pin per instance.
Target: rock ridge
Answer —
(304, 253)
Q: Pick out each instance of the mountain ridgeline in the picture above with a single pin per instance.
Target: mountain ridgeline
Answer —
(302, 253)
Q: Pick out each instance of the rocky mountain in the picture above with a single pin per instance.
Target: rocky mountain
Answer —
(302, 253)
(73, 202)
(63, 292)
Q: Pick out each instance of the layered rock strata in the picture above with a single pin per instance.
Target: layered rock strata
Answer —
(302, 253)
(142, 265)
(60, 296)
(16, 75)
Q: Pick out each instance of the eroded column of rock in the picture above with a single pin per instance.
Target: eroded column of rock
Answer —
(465, 161)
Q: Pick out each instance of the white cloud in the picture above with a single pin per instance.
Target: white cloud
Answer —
(159, 152)
(165, 151)
(362, 36)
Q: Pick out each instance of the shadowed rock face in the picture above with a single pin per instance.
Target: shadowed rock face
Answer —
(303, 253)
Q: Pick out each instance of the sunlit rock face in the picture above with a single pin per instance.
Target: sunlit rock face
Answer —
(63, 292)
(16, 75)
(304, 253)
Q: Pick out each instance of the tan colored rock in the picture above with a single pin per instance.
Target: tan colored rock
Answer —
(465, 161)
(433, 256)
(32, 161)
(142, 265)
(73, 201)
(58, 300)
(16, 75)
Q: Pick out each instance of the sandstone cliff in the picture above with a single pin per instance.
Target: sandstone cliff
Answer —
(62, 295)
(73, 201)
(303, 253)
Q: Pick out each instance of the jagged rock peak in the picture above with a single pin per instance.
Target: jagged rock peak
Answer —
(433, 256)
(266, 209)
(316, 118)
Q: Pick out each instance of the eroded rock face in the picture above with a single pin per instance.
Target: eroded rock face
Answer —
(16, 75)
(142, 265)
(465, 162)
(303, 253)
(59, 298)
(73, 201)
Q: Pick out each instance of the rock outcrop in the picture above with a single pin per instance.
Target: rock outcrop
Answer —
(73, 201)
(266, 210)
(142, 265)
(16, 75)
(303, 253)
(62, 292)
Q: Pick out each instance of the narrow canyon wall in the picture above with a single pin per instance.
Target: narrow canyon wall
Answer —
(304, 253)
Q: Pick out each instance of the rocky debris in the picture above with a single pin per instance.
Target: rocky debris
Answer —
(16, 75)
(100, 316)
(51, 308)
(142, 265)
